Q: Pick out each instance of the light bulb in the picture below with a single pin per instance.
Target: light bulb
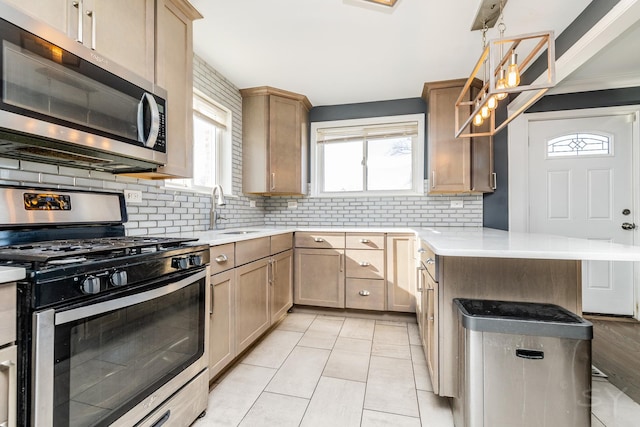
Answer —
(500, 85)
(492, 103)
(478, 120)
(484, 111)
(513, 74)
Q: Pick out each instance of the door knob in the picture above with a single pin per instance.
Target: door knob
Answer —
(628, 226)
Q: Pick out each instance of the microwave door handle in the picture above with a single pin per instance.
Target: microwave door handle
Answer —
(154, 129)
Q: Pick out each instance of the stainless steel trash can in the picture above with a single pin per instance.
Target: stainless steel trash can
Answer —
(522, 365)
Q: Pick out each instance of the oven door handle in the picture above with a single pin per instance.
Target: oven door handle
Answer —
(67, 316)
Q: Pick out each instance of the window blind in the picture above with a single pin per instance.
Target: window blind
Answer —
(210, 111)
(358, 133)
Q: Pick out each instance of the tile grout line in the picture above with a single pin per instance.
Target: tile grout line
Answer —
(323, 368)
(274, 375)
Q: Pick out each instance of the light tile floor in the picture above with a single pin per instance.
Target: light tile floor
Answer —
(320, 370)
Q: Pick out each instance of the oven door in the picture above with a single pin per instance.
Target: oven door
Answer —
(122, 357)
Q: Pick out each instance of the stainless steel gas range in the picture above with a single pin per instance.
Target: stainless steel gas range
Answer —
(111, 329)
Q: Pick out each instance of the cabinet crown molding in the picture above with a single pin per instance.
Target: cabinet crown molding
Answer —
(268, 90)
(443, 84)
(187, 9)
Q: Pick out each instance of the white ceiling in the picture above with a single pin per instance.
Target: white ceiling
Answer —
(348, 51)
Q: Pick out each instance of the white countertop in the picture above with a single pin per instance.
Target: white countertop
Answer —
(460, 241)
(11, 274)
(492, 243)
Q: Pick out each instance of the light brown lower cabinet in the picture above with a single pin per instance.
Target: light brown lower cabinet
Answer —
(401, 273)
(319, 277)
(222, 348)
(251, 302)
(281, 285)
(430, 328)
(365, 294)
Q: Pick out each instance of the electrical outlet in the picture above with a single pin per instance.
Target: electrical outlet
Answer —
(292, 204)
(133, 196)
(252, 203)
(457, 204)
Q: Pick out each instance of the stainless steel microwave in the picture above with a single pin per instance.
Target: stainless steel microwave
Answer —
(63, 103)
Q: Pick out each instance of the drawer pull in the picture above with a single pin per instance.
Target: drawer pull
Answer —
(365, 264)
(365, 241)
(430, 261)
(221, 258)
(318, 239)
(422, 250)
(364, 293)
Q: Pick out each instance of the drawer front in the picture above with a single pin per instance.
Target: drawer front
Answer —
(428, 258)
(251, 250)
(365, 294)
(281, 242)
(222, 257)
(7, 313)
(319, 240)
(365, 241)
(365, 264)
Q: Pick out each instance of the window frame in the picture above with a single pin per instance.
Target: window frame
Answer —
(417, 152)
(576, 154)
(223, 149)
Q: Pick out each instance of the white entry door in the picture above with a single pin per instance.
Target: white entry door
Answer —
(580, 185)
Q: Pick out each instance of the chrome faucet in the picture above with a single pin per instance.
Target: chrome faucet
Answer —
(217, 199)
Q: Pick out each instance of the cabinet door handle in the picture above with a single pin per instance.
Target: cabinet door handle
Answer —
(365, 241)
(92, 14)
(221, 258)
(494, 181)
(364, 293)
(78, 5)
(273, 181)
(422, 250)
(318, 239)
(433, 179)
(211, 301)
(10, 365)
(341, 262)
(365, 264)
(271, 263)
(430, 261)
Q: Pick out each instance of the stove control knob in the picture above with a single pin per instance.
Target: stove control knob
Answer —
(119, 278)
(90, 285)
(195, 260)
(180, 263)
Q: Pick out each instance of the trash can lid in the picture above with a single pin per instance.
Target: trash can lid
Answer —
(522, 318)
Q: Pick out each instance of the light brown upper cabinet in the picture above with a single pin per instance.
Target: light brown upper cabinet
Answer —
(107, 26)
(456, 165)
(274, 141)
(174, 72)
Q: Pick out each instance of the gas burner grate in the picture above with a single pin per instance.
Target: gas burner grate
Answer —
(107, 247)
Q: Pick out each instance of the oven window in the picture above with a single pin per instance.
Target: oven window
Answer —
(106, 364)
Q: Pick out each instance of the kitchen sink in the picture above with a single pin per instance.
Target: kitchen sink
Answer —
(240, 232)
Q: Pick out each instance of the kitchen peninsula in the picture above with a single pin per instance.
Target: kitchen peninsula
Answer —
(464, 263)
